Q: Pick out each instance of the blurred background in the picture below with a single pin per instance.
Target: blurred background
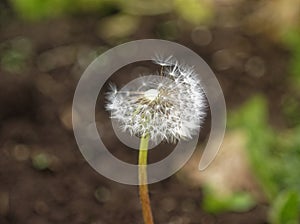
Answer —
(252, 46)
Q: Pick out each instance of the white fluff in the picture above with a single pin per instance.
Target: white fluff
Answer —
(169, 108)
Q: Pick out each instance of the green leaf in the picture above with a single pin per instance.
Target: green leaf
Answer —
(215, 203)
(252, 118)
(41, 161)
(39, 9)
(285, 209)
(194, 11)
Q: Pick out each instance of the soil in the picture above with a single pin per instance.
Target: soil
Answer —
(35, 116)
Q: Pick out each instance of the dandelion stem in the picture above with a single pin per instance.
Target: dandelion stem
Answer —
(143, 186)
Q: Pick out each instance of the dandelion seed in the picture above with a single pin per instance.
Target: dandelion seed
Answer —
(168, 107)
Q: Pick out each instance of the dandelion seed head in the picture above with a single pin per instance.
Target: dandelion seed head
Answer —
(169, 106)
(151, 94)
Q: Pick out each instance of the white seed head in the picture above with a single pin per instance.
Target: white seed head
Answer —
(169, 106)
(151, 94)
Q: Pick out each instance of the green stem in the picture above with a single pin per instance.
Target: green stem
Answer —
(143, 186)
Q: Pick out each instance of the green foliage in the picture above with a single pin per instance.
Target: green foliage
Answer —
(39, 9)
(14, 54)
(13, 61)
(168, 30)
(44, 9)
(215, 203)
(292, 41)
(41, 161)
(144, 7)
(192, 11)
(252, 118)
(290, 157)
(117, 27)
(285, 208)
(275, 159)
(291, 109)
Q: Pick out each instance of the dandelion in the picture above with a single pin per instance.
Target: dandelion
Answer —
(169, 106)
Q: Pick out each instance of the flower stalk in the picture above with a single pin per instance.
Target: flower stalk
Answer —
(143, 186)
(165, 107)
